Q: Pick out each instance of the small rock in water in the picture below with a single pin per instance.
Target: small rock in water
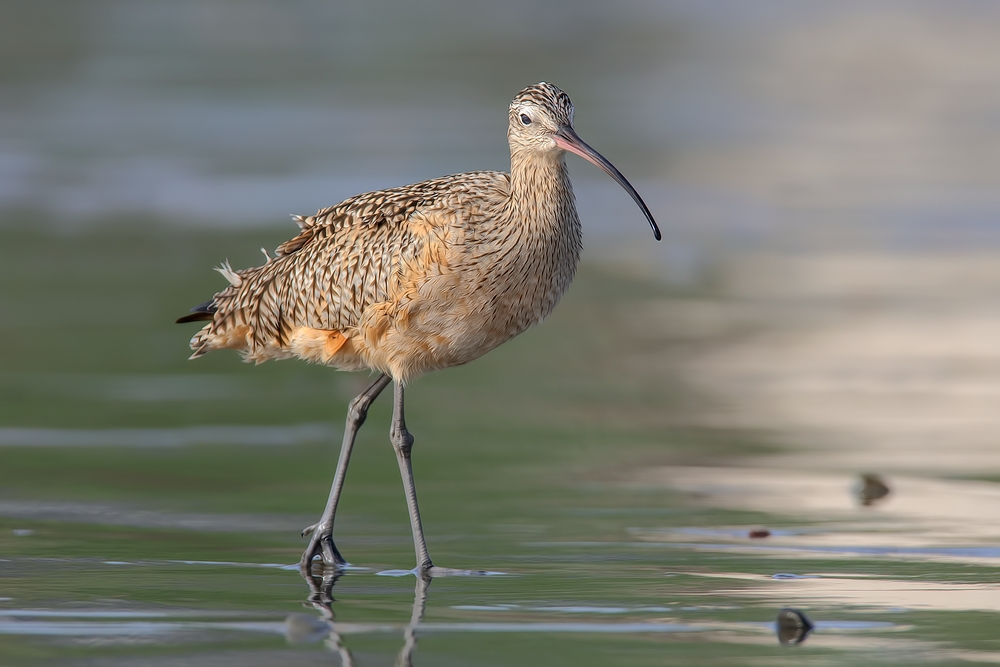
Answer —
(793, 626)
(870, 489)
(758, 533)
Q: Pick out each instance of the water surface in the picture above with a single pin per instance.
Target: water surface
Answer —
(611, 466)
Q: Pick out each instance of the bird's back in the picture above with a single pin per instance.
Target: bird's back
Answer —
(356, 271)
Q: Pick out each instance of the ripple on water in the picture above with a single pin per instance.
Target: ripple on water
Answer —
(13, 623)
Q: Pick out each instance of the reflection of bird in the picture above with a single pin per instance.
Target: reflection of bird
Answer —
(303, 628)
(870, 489)
(414, 279)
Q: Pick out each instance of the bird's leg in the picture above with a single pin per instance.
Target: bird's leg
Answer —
(321, 542)
(402, 442)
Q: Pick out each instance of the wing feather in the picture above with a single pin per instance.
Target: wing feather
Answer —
(344, 259)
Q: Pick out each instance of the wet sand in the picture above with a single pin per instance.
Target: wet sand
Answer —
(853, 363)
(863, 361)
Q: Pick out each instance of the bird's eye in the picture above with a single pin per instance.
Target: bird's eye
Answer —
(525, 120)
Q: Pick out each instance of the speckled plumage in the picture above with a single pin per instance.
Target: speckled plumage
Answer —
(416, 278)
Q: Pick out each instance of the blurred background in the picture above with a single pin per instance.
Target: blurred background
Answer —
(824, 302)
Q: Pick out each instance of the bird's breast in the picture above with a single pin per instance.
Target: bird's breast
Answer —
(474, 291)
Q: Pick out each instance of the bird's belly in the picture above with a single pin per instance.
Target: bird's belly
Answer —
(423, 335)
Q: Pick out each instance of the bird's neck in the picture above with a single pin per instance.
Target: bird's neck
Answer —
(540, 192)
(540, 239)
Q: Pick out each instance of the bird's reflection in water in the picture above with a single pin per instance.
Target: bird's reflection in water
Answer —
(305, 628)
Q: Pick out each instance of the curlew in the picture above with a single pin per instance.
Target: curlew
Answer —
(414, 279)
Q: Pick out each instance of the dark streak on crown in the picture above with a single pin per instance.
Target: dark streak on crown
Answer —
(548, 97)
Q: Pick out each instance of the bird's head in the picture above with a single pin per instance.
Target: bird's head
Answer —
(536, 115)
(541, 122)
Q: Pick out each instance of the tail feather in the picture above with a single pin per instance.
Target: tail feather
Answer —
(201, 313)
(200, 352)
(241, 315)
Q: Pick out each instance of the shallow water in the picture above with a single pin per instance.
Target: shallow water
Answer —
(555, 604)
(164, 532)
(570, 608)
(150, 507)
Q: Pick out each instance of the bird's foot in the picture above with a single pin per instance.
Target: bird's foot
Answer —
(321, 544)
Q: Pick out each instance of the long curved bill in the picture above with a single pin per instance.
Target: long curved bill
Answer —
(567, 139)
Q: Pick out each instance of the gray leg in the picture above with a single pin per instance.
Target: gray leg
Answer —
(322, 532)
(402, 442)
